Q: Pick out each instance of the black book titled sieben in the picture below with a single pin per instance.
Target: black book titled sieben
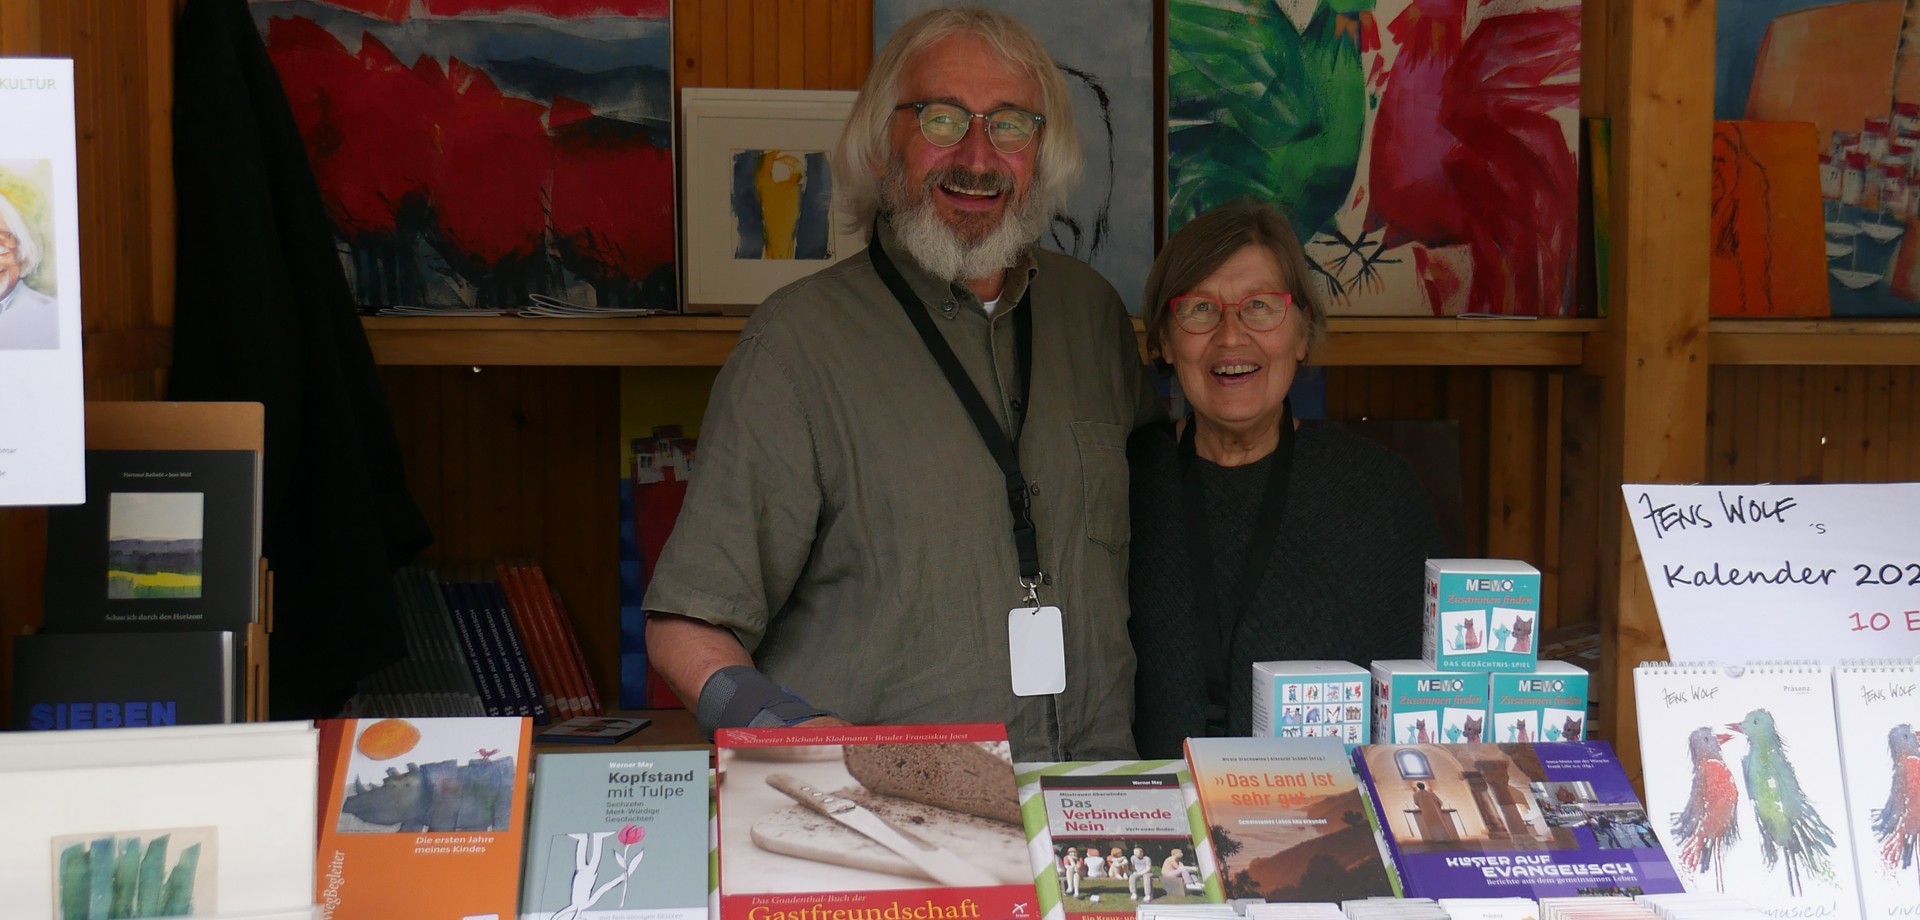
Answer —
(122, 680)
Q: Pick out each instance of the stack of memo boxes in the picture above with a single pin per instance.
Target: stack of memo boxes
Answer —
(1479, 680)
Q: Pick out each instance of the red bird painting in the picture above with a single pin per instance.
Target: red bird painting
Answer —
(1710, 822)
(1897, 826)
(1466, 151)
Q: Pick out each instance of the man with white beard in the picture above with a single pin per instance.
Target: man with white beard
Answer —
(911, 496)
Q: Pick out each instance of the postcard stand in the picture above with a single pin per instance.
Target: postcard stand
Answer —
(198, 426)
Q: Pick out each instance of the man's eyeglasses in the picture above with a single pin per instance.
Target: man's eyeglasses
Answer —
(944, 124)
(1260, 311)
(8, 244)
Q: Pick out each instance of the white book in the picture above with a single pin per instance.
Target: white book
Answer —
(225, 814)
(1877, 704)
(1744, 784)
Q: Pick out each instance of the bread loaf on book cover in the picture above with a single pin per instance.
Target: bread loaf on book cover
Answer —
(971, 778)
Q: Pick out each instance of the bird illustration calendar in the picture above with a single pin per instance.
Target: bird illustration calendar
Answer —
(1878, 707)
(1744, 782)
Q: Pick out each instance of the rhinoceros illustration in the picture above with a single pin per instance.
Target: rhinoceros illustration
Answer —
(437, 797)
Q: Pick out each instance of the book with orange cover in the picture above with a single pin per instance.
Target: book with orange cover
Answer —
(559, 630)
(558, 608)
(539, 643)
(423, 818)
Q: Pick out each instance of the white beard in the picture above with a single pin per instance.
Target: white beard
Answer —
(942, 251)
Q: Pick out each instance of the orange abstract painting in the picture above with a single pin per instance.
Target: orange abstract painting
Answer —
(1769, 257)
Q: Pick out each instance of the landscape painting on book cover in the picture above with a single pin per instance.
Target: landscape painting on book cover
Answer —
(782, 204)
(147, 873)
(474, 153)
(430, 776)
(156, 544)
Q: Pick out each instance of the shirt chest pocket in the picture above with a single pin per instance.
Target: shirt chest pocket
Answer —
(1103, 482)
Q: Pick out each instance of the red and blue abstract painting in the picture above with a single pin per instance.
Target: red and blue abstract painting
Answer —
(475, 153)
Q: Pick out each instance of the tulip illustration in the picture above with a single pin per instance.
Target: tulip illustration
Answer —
(629, 835)
(586, 868)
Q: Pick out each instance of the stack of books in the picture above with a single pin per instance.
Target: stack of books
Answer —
(154, 586)
(495, 642)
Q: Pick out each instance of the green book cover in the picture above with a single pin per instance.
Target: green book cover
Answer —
(615, 835)
(1107, 836)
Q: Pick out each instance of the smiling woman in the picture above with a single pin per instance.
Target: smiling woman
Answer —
(1256, 537)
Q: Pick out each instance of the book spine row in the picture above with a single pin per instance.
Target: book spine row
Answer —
(482, 660)
(495, 644)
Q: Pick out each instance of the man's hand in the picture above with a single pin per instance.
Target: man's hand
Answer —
(825, 722)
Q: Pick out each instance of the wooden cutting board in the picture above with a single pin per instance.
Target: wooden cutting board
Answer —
(1000, 849)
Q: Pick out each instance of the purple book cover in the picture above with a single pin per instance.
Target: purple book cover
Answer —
(1513, 820)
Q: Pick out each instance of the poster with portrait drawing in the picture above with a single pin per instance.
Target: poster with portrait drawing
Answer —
(41, 434)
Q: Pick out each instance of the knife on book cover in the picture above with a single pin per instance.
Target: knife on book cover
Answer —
(939, 864)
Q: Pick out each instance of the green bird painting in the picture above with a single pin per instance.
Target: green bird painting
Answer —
(1259, 109)
(1791, 829)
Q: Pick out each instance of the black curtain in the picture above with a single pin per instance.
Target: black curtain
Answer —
(264, 315)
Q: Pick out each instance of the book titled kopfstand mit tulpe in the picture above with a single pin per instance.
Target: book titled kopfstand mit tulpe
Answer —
(915, 822)
(1513, 820)
(616, 836)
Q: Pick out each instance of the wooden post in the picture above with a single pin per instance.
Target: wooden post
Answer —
(1659, 70)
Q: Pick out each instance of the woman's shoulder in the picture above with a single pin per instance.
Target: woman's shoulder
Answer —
(1329, 443)
(1355, 467)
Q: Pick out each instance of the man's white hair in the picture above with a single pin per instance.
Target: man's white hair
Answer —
(25, 250)
(862, 159)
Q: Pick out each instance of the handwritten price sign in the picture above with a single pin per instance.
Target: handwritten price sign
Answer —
(1749, 573)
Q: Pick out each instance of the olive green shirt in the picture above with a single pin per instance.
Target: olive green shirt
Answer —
(847, 523)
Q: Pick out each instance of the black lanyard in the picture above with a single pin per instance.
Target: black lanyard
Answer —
(1208, 607)
(1004, 448)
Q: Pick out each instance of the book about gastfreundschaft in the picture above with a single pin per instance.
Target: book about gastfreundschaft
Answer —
(1552, 819)
(1287, 819)
(1107, 837)
(616, 835)
(872, 822)
(423, 817)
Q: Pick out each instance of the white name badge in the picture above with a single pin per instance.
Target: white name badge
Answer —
(1037, 646)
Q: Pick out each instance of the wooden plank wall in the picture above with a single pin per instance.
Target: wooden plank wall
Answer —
(519, 462)
(123, 84)
(1813, 424)
(516, 461)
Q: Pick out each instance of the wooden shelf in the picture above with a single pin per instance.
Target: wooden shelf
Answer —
(704, 341)
(1814, 342)
(647, 341)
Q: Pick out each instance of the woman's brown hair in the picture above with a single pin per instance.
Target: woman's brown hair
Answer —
(1206, 243)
